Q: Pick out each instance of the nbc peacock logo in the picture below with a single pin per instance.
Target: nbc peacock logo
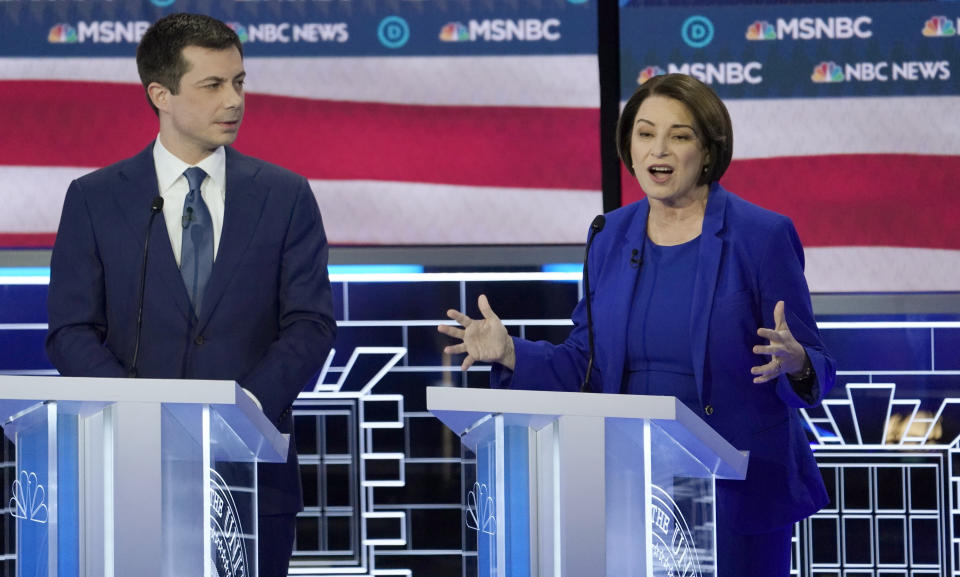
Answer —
(241, 31)
(827, 72)
(454, 32)
(481, 510)
(761, 30)
(939, 27)
(649, 72)
(62, 34)
(29, 499)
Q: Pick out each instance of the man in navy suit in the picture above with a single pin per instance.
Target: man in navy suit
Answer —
(235, 285)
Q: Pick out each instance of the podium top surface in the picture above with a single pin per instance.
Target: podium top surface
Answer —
(84, 396)
(461, 409)
(91, 389)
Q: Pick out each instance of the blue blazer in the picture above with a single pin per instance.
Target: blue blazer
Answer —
(749, 259)
(267, 319)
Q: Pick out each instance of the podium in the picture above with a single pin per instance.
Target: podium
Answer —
(577, 484)
(145, 477)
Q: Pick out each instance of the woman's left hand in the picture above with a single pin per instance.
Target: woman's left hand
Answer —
(786, 354)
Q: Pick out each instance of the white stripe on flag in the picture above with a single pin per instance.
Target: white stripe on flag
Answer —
(364, 211)
(32, 196)
(825, 126)
(882, 269)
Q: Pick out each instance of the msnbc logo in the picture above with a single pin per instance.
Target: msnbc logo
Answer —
(241, 31)
(827, 72)
(939, 26)
(62, 34)
(835, 27)
(502, 30)
(761, 30)
(649, 72)
(454, 32)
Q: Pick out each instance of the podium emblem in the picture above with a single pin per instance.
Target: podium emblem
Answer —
(29, 499)
(229, 549)
(480, 508)
(674, 551)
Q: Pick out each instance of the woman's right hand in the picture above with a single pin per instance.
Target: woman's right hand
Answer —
(483, 339)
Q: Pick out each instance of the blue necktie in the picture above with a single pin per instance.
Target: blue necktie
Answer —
(196, 253)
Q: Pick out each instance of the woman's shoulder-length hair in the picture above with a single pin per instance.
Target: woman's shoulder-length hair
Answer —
(711, 119)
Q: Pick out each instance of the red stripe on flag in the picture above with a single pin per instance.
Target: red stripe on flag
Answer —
(852, 199)
(27, 240)
(54, 123)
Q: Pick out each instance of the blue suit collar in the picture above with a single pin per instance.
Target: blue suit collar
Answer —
(139, 176)
(633, 238)
(245, 196)
(705, 285)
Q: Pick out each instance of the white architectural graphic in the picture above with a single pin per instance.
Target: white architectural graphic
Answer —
(891, 470)
(343, 412)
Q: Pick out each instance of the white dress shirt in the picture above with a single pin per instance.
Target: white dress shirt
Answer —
(174, 188)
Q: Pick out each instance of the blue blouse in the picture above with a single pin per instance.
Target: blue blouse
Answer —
(659, 361)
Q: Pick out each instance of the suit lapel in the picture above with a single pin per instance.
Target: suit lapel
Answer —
(705, 285)
(138, 188)
(624, 276)
(245, 197)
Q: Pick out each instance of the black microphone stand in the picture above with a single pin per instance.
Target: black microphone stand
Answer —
(155, 207)
(595, 227)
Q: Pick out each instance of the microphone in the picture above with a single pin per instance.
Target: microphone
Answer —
(595, 227)
(156, 205)
(636, 259)
(186, 219)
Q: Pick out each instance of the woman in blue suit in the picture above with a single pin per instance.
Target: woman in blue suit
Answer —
(698, 294)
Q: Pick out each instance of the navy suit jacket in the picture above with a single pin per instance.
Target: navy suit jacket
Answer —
(749, 259)
(267, 319)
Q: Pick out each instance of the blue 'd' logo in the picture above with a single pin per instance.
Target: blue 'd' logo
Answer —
(697, 31)
(393, 32)
(162, 3)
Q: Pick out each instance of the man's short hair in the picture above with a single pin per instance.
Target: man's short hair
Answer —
(160, 53)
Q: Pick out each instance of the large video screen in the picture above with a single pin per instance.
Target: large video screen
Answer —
(844, 118)
(417, 122)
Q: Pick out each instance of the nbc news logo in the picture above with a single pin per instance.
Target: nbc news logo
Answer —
(827, 72)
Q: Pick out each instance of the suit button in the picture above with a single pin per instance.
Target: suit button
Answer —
(708, 409)
(198, 340)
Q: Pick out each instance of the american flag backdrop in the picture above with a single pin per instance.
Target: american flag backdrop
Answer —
(418, 123)
(844, 118)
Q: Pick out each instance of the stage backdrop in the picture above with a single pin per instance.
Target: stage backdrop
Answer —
(844, 118)
(429, 122)
(417, 122)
